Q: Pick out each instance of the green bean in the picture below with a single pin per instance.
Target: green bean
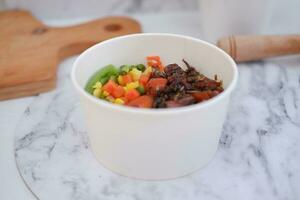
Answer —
(101, 75)
(141, 89)
(124, 69)
(141, 67)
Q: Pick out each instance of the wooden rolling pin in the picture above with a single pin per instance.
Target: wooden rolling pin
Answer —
(250, 48)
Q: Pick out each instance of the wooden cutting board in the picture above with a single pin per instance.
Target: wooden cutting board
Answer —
(30, 51)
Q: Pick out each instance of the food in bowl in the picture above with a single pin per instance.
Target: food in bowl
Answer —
(154, 144)
(153, 85)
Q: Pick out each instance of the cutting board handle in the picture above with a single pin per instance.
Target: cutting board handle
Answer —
(30, 51)
(249, 48)
(78, 38)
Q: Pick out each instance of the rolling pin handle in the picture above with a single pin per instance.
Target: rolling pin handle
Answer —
(250, 48)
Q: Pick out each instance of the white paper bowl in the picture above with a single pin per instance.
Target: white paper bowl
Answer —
(154, 144)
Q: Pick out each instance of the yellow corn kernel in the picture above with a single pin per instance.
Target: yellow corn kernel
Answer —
(148, 70)
(135, 74)
(105, 93)
(119, 101)
(110, 99)
(120, 80)
(98, 84)
(97, 92)
(132, 85)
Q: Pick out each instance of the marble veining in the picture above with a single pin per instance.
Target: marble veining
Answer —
(258, 155)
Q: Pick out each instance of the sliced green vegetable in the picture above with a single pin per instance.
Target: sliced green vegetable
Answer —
(131, 67)
(114, 78)
(124, 69)
(102, 75)
(141, 89)
(104, 80)
(141, 67)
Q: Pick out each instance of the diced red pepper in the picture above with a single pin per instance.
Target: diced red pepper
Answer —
(161, 67)
(126, 79)
(201, 96)
(110, 86)
(144, 79)
(118, 92)
(132, 94)
(144, 101)
(156, 84)
(154, 61)
(153, 58)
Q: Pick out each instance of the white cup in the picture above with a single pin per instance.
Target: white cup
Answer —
(154, 144)
(221, 18)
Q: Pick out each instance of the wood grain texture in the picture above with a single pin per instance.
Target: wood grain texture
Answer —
(250, 48)
(30, 51)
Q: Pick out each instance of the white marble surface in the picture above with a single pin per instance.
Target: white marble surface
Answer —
(258, 156)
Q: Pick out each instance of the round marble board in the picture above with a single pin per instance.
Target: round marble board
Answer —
(54, 158)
